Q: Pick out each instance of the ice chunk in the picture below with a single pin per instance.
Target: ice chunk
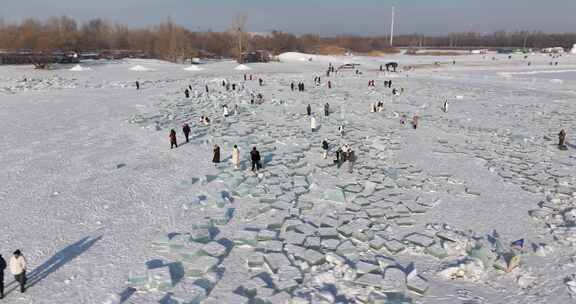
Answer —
(138, 279)
(160, 279)
(276, 260)
(394, 246)
(214, 249)
(416, 283)
(394, 280)
(312, 257)
(334, 195)
(370, 279)
(200, 266)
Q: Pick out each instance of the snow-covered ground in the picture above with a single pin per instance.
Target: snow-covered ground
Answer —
(105, 212)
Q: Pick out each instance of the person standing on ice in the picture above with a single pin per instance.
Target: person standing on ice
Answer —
(173, 142)
(187, 93)
(260, 81)
(18, 269)
(329, 84)
(415, 122)
(327, 109)
(2, 268)
(445, 108)
(309, 110)
(186, 130)
(341, 130)
(562, 138)
(236, 157)
(207, 89)
(216, 156)
(255, 158)
(313, 124)
(225, 113)
(137, 85)
(351, 159)
(325, 148)
(292, 86)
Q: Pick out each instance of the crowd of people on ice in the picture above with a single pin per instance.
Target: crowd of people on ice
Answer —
(342, 154)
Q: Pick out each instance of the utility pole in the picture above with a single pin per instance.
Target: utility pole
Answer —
(392, 29)
(240, 44)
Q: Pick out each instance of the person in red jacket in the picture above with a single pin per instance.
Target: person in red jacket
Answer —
(173, 142)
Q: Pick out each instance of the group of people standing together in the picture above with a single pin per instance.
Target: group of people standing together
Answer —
(301, 86)
(17, 266)
(255, 158)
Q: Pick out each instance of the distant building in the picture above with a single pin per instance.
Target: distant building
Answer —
(37, 58)
(553, 50)
(256, 56)
(505, 50)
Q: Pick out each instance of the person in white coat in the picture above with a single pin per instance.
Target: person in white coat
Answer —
(313, 124)
(236, 157)
(445, 108)
(18, 269)
(226, 113)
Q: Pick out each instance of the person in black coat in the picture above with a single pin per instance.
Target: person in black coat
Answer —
(186, 130)
(325, 147)
(187, 93)
(173, 142)
(216, 157)
(309, 110)
(2, 268)
(137, 85)
(255, 158)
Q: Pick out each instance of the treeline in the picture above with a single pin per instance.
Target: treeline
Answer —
(174, 42)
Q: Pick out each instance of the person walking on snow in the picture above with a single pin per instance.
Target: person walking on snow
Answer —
(326, 109)
(236, 157)
(186, 130)
(313, 124)
(137, 85)
(325, 148)
(18, 269)
(216, 156)
(562, 138)
(415, 122)
(309, 110)
(255, 158)
(173, 142)
(445, 108)
(2, 268)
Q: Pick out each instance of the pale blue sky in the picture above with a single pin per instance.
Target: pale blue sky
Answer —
(328, 17)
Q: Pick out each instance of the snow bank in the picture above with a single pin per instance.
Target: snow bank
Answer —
(78, 68)
(302, 57)
(140, 68)
(296, 57)
(242, 68)
(193, 68)
(573, 51)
